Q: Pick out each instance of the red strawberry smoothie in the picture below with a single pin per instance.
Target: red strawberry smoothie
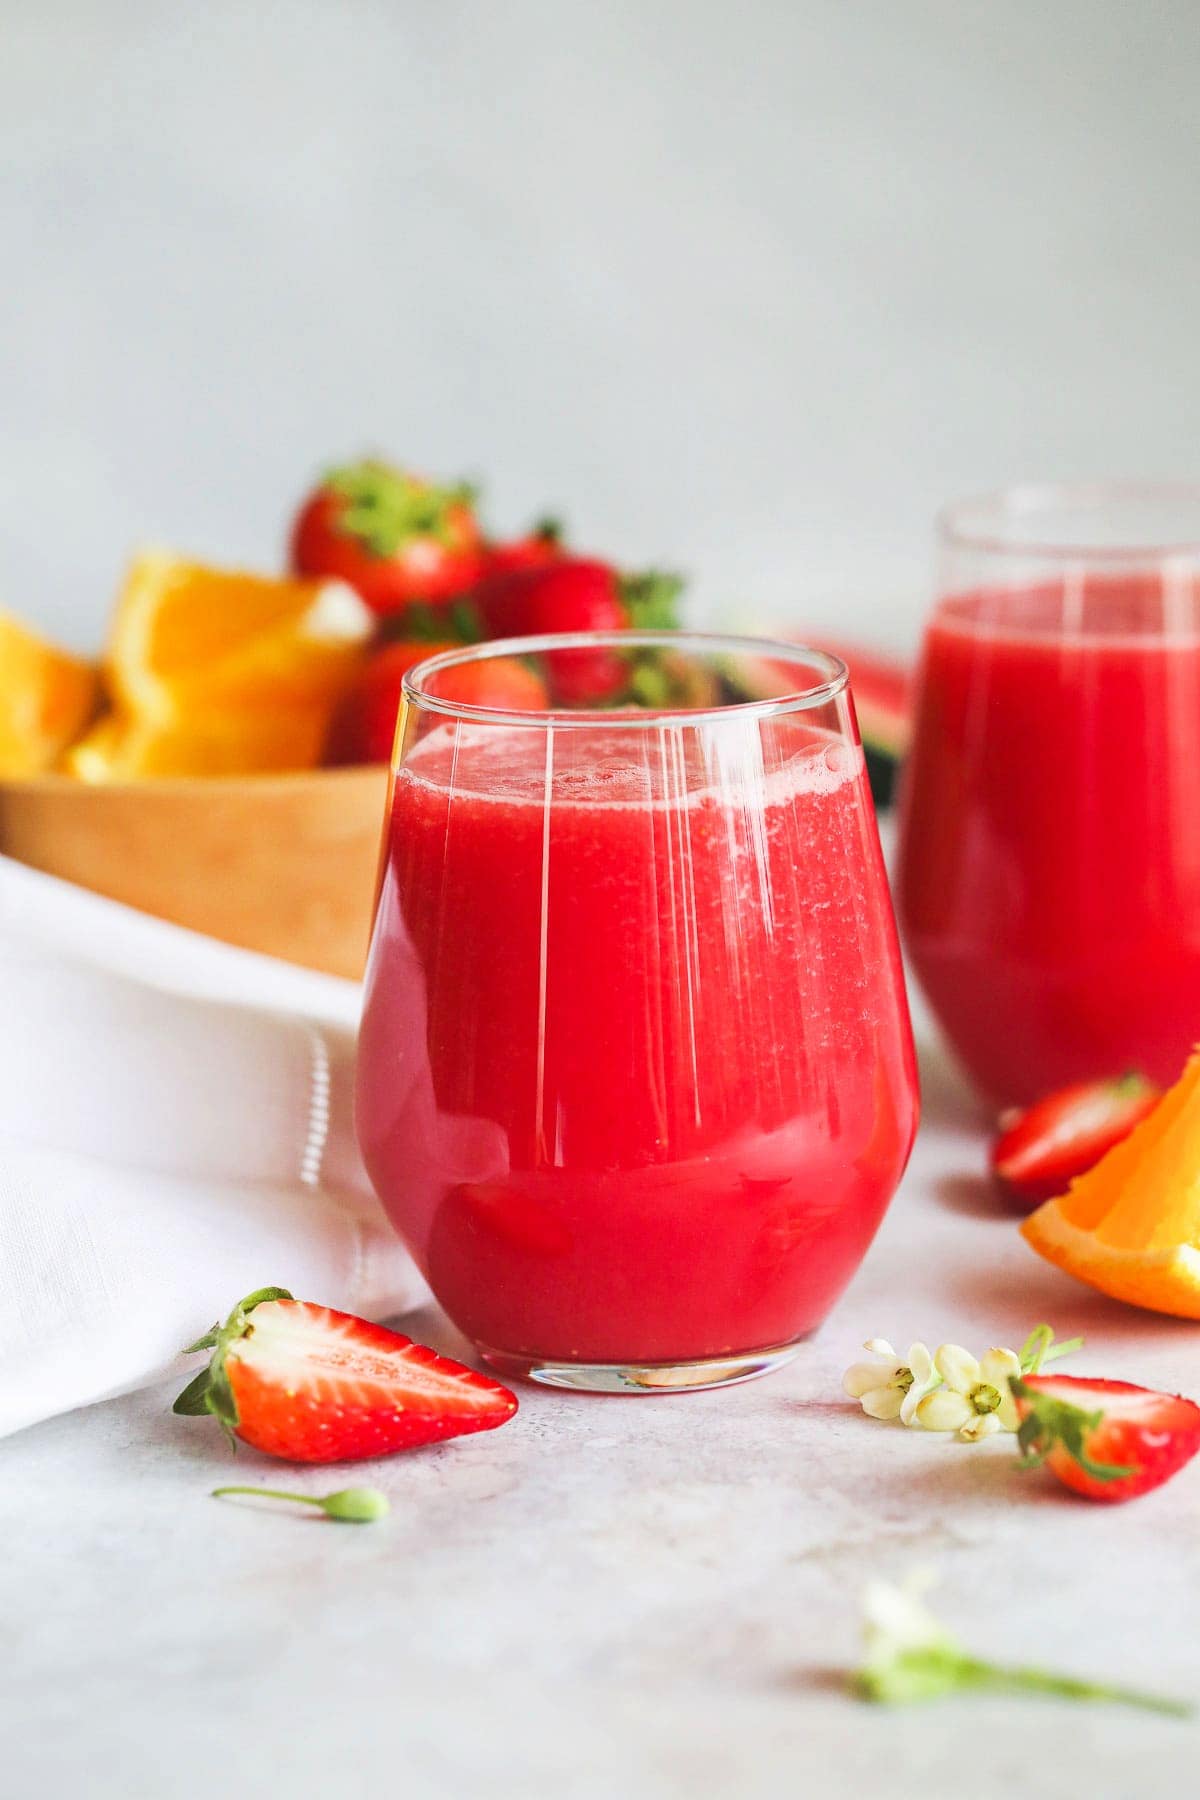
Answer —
(636, 1080)
(1050, 875)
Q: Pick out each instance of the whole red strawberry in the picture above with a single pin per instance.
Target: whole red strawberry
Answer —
(577, 593)
(542, 545)
(395, 537)
(363, 728)
(315, 1386)
(1106, 1440)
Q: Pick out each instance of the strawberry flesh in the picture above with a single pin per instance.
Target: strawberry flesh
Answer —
(1106, 1440)
(312, 1385)
(1043, 1149)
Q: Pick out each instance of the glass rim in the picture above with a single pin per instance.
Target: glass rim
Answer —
(834, 679)
(1026, 500)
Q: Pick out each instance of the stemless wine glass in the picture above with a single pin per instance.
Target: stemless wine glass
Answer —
(635, 1076)
(1050, 846)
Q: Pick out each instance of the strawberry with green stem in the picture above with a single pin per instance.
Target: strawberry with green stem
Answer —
(541, 545)
(394, 537)
(572, 594)
(311, 1385)
(1106, 1440)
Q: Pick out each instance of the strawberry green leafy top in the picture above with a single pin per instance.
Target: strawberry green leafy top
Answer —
(384, 507)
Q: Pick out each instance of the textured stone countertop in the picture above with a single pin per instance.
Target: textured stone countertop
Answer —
(639, 1597)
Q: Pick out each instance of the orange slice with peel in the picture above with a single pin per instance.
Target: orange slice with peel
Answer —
(47, 698)
(120, 748)
(1130, 1226)
(186, 636)
(218, 672)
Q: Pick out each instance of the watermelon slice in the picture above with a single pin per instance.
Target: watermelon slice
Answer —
(882, 687)
(883, 699)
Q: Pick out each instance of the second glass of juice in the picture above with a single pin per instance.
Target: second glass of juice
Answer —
(1050, 848)
(636, 1077)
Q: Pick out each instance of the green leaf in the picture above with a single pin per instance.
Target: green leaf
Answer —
(1050, 1423)
(650, 685)
(207, 1342)
(384, 507)
(193, 1402)
(421, 623)
(650, 599)
(465, 622)
(219, 1400)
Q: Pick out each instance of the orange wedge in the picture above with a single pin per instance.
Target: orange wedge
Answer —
(119, 748)
(1131, 1225)
(46, 699)
(185, 637)
(216, 672)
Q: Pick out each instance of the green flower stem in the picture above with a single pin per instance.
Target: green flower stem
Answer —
(270, 1494)
(352, 1506)
(934, 1672)
(1039, 1348)
(1070, 1687)
(1068, 1347)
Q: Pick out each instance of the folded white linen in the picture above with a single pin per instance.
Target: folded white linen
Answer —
(165, 1148)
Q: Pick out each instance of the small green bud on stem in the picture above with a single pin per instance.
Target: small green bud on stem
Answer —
(352, 1506)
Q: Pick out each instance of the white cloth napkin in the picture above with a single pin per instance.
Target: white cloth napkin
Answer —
(175, 1131)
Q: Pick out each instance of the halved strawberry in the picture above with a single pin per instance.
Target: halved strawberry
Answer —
(1042, 1149)
(316, 1386)
(1107, 1440)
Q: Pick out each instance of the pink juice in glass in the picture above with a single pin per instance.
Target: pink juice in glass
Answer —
(1050, 875)
(636, 1077)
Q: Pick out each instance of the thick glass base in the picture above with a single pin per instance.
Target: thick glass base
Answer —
(642, 1378)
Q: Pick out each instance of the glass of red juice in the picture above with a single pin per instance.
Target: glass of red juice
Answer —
(635, 1075)
(1049, 879)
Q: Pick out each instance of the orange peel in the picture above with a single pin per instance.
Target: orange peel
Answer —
(47, 697)
(1130, 1226)
(219, 672)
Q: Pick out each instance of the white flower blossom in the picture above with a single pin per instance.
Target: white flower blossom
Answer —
(890, 1387)
(896, 1619)
(950, 1391)
(974, 1399)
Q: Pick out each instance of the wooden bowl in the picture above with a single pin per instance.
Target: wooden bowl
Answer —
(284, 864)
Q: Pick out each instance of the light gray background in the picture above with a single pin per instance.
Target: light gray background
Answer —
(743, 288)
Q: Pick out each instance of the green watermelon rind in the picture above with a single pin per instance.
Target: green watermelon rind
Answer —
(882, 690)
